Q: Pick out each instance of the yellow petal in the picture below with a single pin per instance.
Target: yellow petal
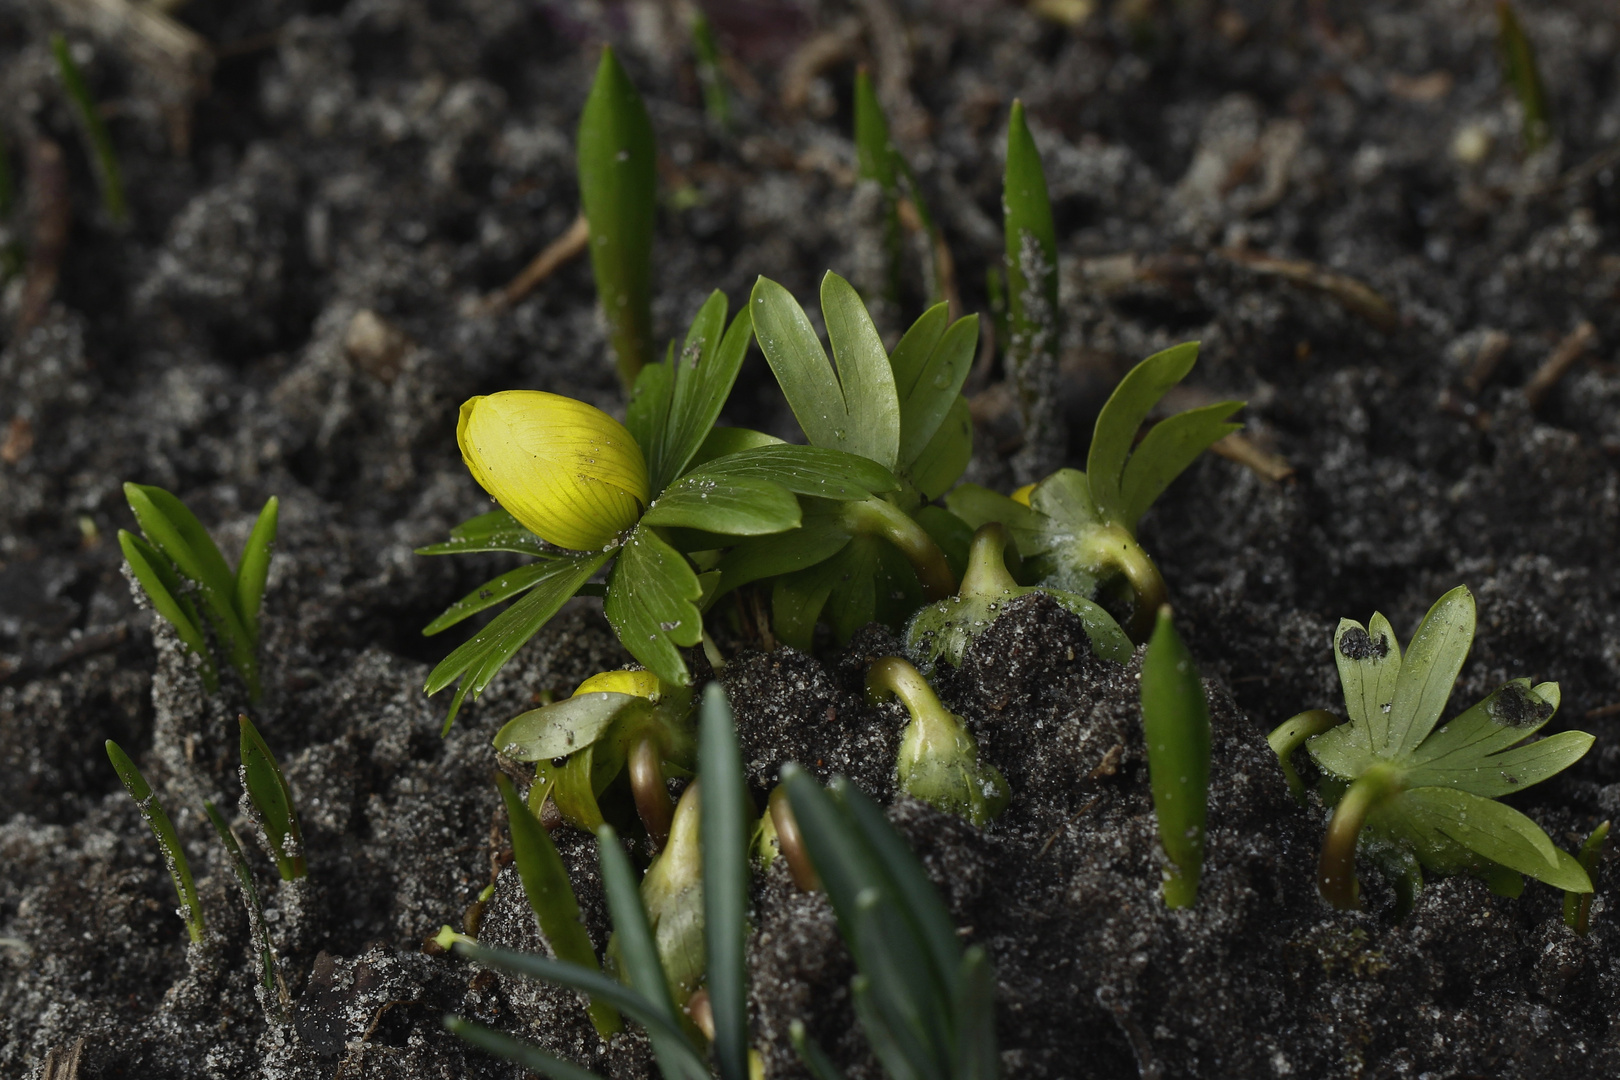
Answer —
(1022, 494)
(640, 683)
(569, 473)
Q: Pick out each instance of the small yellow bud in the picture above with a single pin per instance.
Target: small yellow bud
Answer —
(570, 473)
(1022, 494)
(640, 683)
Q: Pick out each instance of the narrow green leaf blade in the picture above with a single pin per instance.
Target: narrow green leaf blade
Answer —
(1164, 454)
(807, 470)
(494, 531)
(705, 372)
(727, 505)
(1510, 714)
(272, 800)
(551, 896)
(273, 994)
(176, 531)
(942, 462)
(815, 1059)
(646, 415)
(1496, 832)
(925, 405)
(651, 602)
(254, 569)
(800, 365)
(724, 827)
(911, 356)
(157, 819)
(164, 592)
(976, 1057)
(871, 401)
(1429, 670)
(1122, 416)
(902, 996)
(1511, 770)
(1032, 279)
(516, 1051)
(618, 179)
(1175, 724)
(498, 590)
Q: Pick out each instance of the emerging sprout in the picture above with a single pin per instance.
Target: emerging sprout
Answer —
(647, 998)
(879, 159)
(109, 176)
(672, 893)
(177, 563)
(1077, 530)
(1426, 794)
(926, 1005)
(716, 96)
(939, 761)
(174, 856)
(618, 181)
(944, 630)
(1175, 724)
(1031, 348)
(551, 896)
(272, 803)
(1519, 71)
(1578, 905)
(781, 829)
(271, 990)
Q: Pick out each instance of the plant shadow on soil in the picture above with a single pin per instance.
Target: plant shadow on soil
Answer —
(401, 158)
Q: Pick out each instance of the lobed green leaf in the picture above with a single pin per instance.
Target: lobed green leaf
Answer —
(651, 602)
(1120, 419)
(726, 505)
(1164, 454)
(1429, 670)
(705, 372)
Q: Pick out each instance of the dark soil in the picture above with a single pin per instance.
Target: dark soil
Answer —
(405, 157)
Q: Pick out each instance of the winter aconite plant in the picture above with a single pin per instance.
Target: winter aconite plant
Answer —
(1424, 794)
(1077, 530)
(578, 491)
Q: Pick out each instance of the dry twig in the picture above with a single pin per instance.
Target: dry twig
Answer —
(1354, 296)
(1558, 362)
(569, 245)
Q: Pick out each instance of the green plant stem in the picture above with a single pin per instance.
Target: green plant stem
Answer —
(1336, 872)
(1112, 547)
(878, 517)
(274, 991)
(168, 840)
(1290, 735)
(1578, 906)
(646, 768)
(894, 676)
(987, 573)
(791, 841)
(108, 173)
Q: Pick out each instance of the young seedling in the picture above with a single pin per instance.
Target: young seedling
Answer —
(672, 894)
(108, 174)
(271, 990)
(551, 895)
(174, 856)
(1292, 734)
(1077, 530)
(903, 413)
(939, 761)
(943, 630)
(1577, 905)
(180, 568)
(926, 1006)
(1425, 793)
(647, 999)
(618, 181)
(716, 97)
(272, 803)
(1175, 725)
(1519, 71)
(1030, 350)
(878, 159)
(578, 490)
(779, 835)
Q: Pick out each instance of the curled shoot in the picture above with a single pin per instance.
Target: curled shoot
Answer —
(1175, 724)
(174, 856)
(109, 176)
(790, 841)
(272, 803)
(618, 185)
(939, 761)
(1577, 905)
(272, 991)
(1290, 735)
(551, 896)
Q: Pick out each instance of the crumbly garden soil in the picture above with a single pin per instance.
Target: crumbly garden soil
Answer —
(403, 158)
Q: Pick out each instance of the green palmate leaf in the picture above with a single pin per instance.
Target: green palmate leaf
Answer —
(856, 409)
(724, 826)
(1429, 670)
(174, 856)
(1122, 416)
(551, 895)
(947, 454)
(1175, 724)
(166, 594)
(1488, 828)
(728, 505)
(272, 802)
(496, 591)
(494, 531)
(476, 661)
(516, 1051)
(272, 992)
(805, 470)
(928, 394)
(1369, 661)
(821, 536)
(618, 185)
(652, 603)
(705, 372)
(646, 416)
(254, 568)
(1164, 454)
(566, 726)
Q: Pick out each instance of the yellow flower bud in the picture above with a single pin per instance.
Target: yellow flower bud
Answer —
(569, 473)
(640, 683)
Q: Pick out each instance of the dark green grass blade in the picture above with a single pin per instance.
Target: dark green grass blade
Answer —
(639, 950)
(516, 1051)
(272, 799)
(174, 856)
(254, 569)
(1520, 71)
(901, 1061)
(274, 996)
(725, 826)
(164, 591)
(913, 1006)
(551, 895)
(618, 181)
(875, 160)
(108, 173)
(976, 1057)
